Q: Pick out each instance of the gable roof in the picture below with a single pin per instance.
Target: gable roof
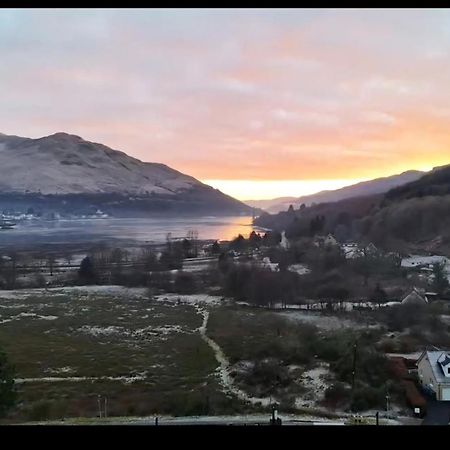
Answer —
(436, 368)
(414, 299)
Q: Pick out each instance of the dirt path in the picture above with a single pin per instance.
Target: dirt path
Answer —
(224, 368)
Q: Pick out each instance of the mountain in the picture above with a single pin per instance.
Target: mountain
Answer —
(63, 169)
(268, 204)
(365, 188)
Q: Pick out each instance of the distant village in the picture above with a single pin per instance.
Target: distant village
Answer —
(10, 216)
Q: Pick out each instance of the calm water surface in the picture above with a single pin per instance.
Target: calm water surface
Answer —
(141, 230)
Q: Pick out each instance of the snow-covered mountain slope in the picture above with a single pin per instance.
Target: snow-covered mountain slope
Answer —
(67, 164)
(66, 174)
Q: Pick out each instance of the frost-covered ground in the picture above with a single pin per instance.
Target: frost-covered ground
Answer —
(412, 355)
(223, 370)
(76, 290)
(193, 300)
(301, 269)
(316, 381)
(325, 322)
(75, 342)
(237, 419)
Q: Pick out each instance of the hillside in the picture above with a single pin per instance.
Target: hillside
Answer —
(339, 217)
(413, 217)
(63, 172)
(417, 213)
(365, 188)
(436, 182)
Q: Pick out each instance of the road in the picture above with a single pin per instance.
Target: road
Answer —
(253, 420)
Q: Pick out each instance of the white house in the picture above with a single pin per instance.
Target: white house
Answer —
(434, 373)
(267, 264)
(353, 250)
(284, 241)
(414, 261)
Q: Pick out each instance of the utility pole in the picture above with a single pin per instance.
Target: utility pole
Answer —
(387, 399)
(355, 346)
(99, 406)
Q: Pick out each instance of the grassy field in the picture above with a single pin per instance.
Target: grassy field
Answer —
(71, 345)
(270, 355)
(294, 357)
(165, 366)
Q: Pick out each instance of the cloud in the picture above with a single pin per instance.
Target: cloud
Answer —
(235, 94)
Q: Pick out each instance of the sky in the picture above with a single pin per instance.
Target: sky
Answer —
(258, 103)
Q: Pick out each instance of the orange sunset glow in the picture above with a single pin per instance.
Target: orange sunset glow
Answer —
(257, 103)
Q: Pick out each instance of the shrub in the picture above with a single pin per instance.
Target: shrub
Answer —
(39, 411)
(371, 367)
(185, 283)
(336, 394)
(160, 280)
(39, 280)
(87, 272)
(269, 373)
(367, 397)
(8, 393)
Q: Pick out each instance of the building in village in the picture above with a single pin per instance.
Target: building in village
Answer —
(370, 249)
(424, 264)
(416, 261)
(353, 250)
(267, 264)
(325, 241)
(433, 368)
(415, 298)
(284, 241)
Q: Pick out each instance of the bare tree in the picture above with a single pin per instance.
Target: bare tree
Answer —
(51, 260)
(68, 258)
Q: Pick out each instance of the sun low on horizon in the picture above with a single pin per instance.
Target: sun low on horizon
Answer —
(259, 104)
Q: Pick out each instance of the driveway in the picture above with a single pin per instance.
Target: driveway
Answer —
(438, 413)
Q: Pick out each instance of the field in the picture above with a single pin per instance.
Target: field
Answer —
(172, 355)
(71, 345)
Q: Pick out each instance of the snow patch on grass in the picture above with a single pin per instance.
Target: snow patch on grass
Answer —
(124, 379)
(322, 321)
(60, 370)
(101, 331)
(316, 383)
(223, 370)
(195, 299)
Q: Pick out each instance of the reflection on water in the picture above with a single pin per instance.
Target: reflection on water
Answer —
(144, 230)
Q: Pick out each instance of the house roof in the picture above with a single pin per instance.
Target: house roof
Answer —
(445, 361)
(414, 299)
(436, 366)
